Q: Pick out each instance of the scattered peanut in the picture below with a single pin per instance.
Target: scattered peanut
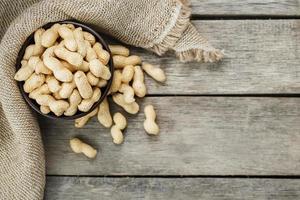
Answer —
(104, 116)
(116, 130)
(80, 147)
(117, 81)
(131, 108)
(155, 72)
(138, 82)
(127, 74)
(119, 50)
(80, 122)
(128, 93)
(122, 61)
(149, 124)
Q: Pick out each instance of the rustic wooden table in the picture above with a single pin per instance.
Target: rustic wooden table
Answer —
(228, 131)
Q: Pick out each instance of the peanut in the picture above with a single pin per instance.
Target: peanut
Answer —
(131, 108)
(59, 71)
(104, 116)
(99, 69)
(127, 73)
(26, 71)
(44, 89)
(122, 61)
(58, 107)
(116, 130)
(81, 47)
(68, 36)
(102, 83)
(78, 146)
(66, 89)
(86, 104)
(50, 36)
(83, 85)
(89, 37)
(38, 48)
(138, 82)
(155, 72)
(102, 54)
(93, 80)
(149, 124)
(29, 52)
(73, 58)
(80, 122)
(119, 50)
(74, 100)
(45, 109)
(117, 81)
(128, 93)
(90, 52)
(40, 68)
(53, 84)
(33, 82)
(67, 65)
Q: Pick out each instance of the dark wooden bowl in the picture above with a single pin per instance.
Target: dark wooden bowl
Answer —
(104, 91)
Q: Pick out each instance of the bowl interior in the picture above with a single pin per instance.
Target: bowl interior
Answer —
(104, 91)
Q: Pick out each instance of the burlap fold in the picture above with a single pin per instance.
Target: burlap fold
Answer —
(156, 25)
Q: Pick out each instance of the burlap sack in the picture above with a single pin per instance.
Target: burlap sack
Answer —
(157, 25)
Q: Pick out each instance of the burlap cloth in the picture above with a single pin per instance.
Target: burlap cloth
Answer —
(157, 25)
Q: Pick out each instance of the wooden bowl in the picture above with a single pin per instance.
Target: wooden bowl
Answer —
(104, 91)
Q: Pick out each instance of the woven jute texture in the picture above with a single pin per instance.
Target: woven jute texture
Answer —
(156, 25)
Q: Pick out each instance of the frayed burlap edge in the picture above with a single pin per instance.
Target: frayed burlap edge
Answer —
(200, 55)
(175, 33)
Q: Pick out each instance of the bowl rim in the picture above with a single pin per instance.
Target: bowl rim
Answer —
(104, 91)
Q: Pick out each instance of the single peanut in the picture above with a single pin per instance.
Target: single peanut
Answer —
(127, 73)
(104, 116)
(150, 125)
(53, 84)
(81, 47)
(50, 36)
(138, 82)
(155, 72)
(38, 48)
(29, 52)
(117, 81)
(89, 37)
(67, 65)
(40, 68)
(86, 104)
(59, 71)
(131, 108)
(84, 88)
(102, 83)
(33, 82)
(99, 69)
(66, 89)
(90, 52)
(116, 130)
(119, 50)
(68, 36)
(26, 71)
(128, 93)
(80, 122)
(45, 109)
(102, 54)
(80, 147)
(71, 57)
(93, 80)
(74, 100)
(122, 61)
(44, 89)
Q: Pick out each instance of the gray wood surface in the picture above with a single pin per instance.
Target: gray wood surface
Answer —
(262, 57)
(199, 136)
(246, 7)
(171, 188)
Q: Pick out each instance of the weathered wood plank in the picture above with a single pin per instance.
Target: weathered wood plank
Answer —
(261, 57)
(246, 7)
(171, 188)
(199, 136)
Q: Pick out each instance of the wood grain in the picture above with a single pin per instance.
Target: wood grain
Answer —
(246, 7)
(171, 188)
(262, 57)
(199, 136)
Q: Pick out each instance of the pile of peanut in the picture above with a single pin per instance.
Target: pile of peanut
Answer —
(65, 69)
